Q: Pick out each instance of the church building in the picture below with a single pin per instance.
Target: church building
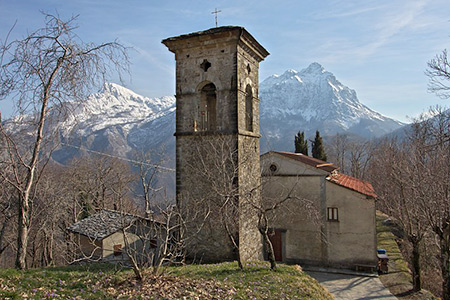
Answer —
(217, 141)
(330, 220)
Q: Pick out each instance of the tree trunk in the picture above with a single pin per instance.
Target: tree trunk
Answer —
(417, 281)
(2, 236)
(263, 227)
(22, 234)
(270, 253)
(24, 195)
(445, 263)
(238, 254)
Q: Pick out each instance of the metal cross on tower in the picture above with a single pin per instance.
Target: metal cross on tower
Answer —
(216, 12)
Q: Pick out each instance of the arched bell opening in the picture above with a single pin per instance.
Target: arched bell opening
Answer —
(207, 110)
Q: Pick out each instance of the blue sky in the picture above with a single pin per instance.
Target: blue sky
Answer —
(377, 47)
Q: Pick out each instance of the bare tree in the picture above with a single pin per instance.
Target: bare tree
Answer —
(337, 150)
(435, 204)
(216, 167)
(49, 66)
(49, 219)
(438, 72)
(150, 168)
(8, 211)
(98, 182)
(219, 199)
(160, 238)
(360, 152)
(351, 153)
(411, 179)
(155, 242)
(396, 172)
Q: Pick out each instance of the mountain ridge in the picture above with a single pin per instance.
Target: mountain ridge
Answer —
(313, 99)
(118, 120)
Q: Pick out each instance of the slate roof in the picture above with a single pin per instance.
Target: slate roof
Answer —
(217, 30)
(103, 224)
(213, 30)
(314, 162)
(355, 184)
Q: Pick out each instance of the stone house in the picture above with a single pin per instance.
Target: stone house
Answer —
(329, 219)
(109, 235)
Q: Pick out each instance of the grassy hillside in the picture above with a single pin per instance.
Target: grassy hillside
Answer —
(214, 281)
(398, 280)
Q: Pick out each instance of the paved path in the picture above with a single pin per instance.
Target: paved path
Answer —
(350, 287)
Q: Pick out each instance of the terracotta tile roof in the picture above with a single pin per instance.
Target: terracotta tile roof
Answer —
(353, 183)
(314, 162)
(349, 182)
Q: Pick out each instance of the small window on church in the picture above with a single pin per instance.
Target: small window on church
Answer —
(273, 168)
(248, 108)
(205, 65)
(249, 70)
(333, 214)
(207, 110)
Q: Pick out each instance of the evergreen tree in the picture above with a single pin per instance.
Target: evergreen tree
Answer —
(317, 148)
(301, 145)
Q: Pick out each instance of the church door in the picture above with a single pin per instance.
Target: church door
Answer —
(277, 244)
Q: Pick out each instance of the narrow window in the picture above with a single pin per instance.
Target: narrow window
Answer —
(207, 109)
(117, 249)
(333, 214)
(248, 108)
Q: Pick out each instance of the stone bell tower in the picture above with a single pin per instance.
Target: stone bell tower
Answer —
(217, 141)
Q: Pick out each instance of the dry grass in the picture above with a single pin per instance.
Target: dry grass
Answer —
(200, 282)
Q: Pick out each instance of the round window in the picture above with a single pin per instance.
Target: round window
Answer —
(273, 168)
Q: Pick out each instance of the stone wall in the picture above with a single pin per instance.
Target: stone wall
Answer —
(207, 193)
(218, 163)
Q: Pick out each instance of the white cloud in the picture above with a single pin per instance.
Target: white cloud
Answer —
(382, 27)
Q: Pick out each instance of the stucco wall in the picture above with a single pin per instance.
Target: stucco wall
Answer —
(352, 240)
(116, 239)
(309, 237)
(303, 238)
(90, 248)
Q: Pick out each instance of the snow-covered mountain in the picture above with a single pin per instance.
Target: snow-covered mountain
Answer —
(117, 121)
(313, 99)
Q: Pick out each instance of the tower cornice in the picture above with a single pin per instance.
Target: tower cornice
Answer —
(224, 33)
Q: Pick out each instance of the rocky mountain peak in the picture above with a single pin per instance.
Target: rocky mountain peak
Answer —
(313, 99)
(314, 69)
(118, 91)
